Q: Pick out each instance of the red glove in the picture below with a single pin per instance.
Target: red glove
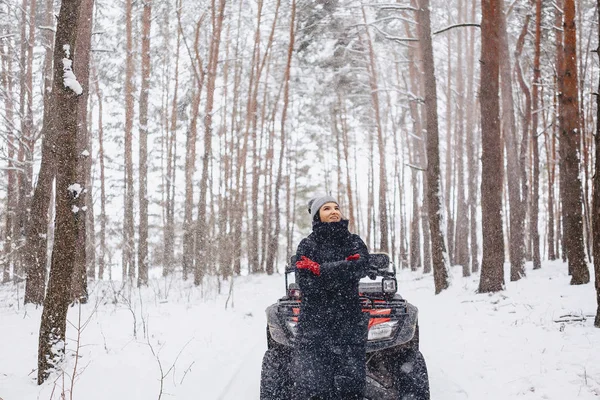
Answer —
(353, 257)
(307, 263)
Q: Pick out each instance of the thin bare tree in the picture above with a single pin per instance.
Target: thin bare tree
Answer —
(146, 66)
(201, 259)
(102, 216)
(273, 244)
(128, 259)
(434, 200)
(513, 167)
(11, 171)
(382, 203)
(190, 158)
(535, 180)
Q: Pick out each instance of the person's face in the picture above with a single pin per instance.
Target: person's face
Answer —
(330, 212)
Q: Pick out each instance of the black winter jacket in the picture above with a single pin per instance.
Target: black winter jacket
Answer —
(331, 313)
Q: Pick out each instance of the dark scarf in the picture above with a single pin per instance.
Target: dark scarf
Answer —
(330, 232)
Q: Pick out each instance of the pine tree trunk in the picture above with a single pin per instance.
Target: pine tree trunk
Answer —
(535, 183)
(382, 198)
(461, 244)
(273, 244)
(274, 239)
(190, 162)
(434, 202)
(560, 73)
(596, 196)
(102, 216)
(449, 159)
(415, 234)
(472, 158)
(569, 151)
(35, 252)
(128, 223)
(171, 144)
(53, 323)
(492, 268)
(25, 154)
(526, 117)
(201, 260)
(253, 259)
(81, 67)
(513, 167)
(346, 152)
(11, 175)
(142, 253)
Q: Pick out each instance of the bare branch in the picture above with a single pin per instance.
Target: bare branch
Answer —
(392, 7)
(468, 24)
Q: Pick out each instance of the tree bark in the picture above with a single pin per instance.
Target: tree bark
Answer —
(171, 145)
(382, 198)
(81, 67)
(143, 262)
(201, 261)
(569, 151)
(34, 255)
(472, 159)
(461, 243)
(414, 150)
(251, 120)
(560, 73)
(283, 138)
(103, 217)
(190, 162)
(27, 141)
(434, 201)
(535, 180)
(492, 268)
(513, 167)
(128, 223)
(11, 174)
(346, 152)
(596, 195)
(53, 323)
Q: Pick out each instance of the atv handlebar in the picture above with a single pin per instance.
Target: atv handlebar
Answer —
(379, 265)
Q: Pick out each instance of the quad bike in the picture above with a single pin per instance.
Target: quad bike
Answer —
(396, 369)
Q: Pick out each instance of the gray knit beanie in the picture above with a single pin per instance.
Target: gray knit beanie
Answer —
(315, 205)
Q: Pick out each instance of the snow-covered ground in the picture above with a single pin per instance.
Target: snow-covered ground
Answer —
(495, 347)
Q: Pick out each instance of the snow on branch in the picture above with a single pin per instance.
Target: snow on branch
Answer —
(69, 78)
(398, 39)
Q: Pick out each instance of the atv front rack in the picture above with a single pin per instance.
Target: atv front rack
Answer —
(387, 318)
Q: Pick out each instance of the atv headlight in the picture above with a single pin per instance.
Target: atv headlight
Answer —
(388, 285)
(384, 330)
(292, 327)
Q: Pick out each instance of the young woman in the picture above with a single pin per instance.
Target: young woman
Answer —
(329, 356)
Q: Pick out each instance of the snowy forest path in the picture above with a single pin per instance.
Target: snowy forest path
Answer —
(245, 379)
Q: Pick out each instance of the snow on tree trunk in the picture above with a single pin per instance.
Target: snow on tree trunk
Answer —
(54, 316)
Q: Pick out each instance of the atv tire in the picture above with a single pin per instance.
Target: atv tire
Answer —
(275, 378)
(411, 378)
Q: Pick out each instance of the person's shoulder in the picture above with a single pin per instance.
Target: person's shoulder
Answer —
(355, 236)
(357, 239)
(307, 241)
